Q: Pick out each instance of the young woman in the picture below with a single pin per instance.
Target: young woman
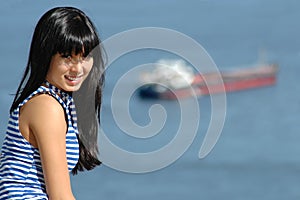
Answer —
(44, 139)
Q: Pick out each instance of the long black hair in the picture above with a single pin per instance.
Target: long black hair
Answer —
(68, 30)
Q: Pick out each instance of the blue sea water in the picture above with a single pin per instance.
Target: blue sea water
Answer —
(258, 153)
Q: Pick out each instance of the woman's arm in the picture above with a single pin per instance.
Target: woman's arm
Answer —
(46, 121)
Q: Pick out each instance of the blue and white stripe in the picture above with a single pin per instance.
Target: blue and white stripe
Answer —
(21, 175)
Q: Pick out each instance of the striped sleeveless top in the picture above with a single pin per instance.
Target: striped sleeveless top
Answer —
(21, 174)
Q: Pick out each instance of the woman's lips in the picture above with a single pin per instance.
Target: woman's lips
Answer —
(73, 80)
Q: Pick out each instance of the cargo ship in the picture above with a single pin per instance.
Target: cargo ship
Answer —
(179, 81)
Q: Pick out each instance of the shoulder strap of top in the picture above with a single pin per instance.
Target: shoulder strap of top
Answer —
(65, 99)
(44, 90)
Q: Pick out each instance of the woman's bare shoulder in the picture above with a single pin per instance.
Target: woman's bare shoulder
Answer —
(44, 102)
(43, 109)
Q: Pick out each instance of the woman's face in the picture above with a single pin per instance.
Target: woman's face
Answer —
(67, 72)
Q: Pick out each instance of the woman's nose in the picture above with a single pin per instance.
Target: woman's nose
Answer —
(76, 67)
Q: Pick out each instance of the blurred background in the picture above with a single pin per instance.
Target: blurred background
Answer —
(258, 153)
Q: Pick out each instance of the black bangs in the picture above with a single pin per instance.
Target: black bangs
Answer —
(76, 36)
